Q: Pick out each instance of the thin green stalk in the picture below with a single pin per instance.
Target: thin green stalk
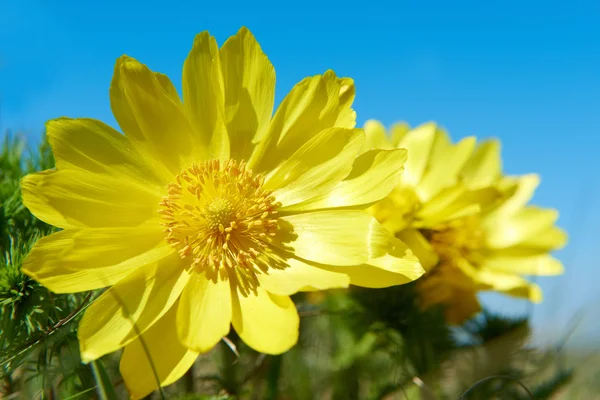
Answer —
(273, 377)
(104, 387)
(229, 374)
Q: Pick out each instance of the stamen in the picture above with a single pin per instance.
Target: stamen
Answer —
(218, 214)
(459, 239)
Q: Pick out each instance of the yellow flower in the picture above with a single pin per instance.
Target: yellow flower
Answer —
(469, 224)
(211, 211)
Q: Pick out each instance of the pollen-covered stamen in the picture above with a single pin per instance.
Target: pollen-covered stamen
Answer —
(218, 215)
(459, 239)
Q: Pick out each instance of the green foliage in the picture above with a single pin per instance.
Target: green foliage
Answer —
(38, 346)
(193, 396)
(16, 222)
(426, 338)
(550, 387)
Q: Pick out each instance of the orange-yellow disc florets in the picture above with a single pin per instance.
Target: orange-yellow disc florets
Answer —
(459, 239)
(218, 215)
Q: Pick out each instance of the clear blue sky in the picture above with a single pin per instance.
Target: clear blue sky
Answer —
(527, 72)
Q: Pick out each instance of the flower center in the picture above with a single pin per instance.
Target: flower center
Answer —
(459, 239)
(217, 215)
(219, 212)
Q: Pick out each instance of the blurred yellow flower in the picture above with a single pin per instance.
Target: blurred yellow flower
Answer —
(210, 211)
(469, 224)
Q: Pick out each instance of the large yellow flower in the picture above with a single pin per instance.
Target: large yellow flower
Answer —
(210, 211)
(469, 224)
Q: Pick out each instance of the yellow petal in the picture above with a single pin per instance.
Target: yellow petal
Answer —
(418, 142)
(370, 276)
(150, 112)
(344, 237)
(313, 105)
(419, 245)
(398, 210)
(444, 172)
(340, 94)
(79, 199)
(376, 136)
(448, 274)
(542, 264)
(72, 261)
(459, 301)
(434, 290)
(203, 95)
(315, 167)
(373, 176)
(552, 238)
(455, 202)
(347, 116)
(301, 277)
(398, 267)
(95, 147)
(302, 106)
(130, 307)
(397, 133)
(484, 167)
(441, 145)
(520, 190)
(510, 284)
(157, 353)
(523, 225)
(303, 102)
(204, 313)
(249, 80)
(266, 322)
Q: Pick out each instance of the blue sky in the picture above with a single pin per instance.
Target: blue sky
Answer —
(527, 72)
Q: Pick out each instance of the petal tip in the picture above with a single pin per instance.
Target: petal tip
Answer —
(535, 294)
(244, 30)
(201, 38)
(122, 60)
(373, 124)
(86, 356)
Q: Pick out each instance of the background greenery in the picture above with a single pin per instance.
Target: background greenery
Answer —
(354, 344)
